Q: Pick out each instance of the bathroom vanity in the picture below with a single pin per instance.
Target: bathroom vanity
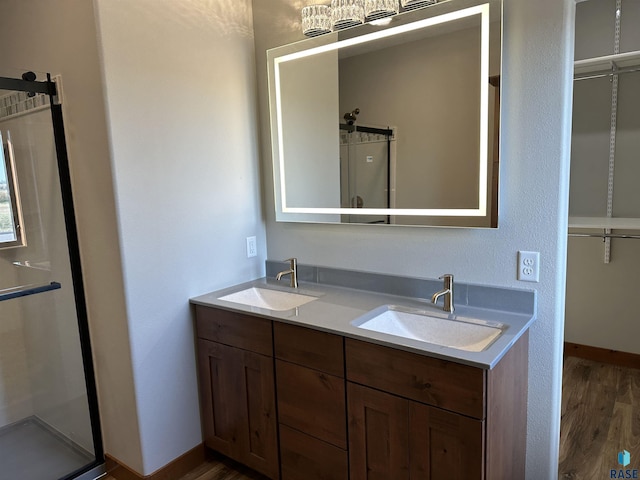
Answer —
(305, 393)
(355, 375)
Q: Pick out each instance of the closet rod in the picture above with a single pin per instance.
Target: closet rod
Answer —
(606, 73)
(604, 235)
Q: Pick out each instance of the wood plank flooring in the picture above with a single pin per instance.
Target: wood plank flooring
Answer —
(222, 469)
(217, 467)
(600, 417)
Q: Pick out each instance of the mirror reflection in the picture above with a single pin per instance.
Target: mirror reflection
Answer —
(394, 124)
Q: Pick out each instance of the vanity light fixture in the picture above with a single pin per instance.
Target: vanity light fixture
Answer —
(376, 9)
(413, 4)
(316, 20)
(347, 13)
(381, 22)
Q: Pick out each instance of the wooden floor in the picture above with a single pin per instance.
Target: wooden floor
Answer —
(600, 417)
(217, 468)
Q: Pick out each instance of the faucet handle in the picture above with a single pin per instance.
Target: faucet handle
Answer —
(448, 280)
(293, 261)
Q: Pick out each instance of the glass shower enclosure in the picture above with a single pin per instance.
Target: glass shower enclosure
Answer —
(366, 170)
(49, 425)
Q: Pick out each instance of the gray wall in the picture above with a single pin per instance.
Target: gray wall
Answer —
(598, 312)
(309, 112)
(595, 27)
(536, 95)
(435, 113)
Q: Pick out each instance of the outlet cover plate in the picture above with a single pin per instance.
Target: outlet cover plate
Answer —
(252, 247)
(529, 266)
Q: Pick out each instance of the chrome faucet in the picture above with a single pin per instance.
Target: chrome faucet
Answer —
(447, 291)
(293, 271)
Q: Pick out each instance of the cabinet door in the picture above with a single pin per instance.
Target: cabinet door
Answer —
(220, 389)
(260, 441)
(378, 434)
(238, 405)
(444, 445)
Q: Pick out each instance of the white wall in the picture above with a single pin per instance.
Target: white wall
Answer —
(180, 90)
(536, 95)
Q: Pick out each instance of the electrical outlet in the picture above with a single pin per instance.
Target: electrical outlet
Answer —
(529, 266)
(252, 248)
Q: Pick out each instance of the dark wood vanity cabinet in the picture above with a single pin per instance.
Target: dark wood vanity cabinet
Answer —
(392, 437)
(415, 417)
(311, 404)
(237, 388)
(350, 409)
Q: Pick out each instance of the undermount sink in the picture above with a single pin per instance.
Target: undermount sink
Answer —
(269, 299)
(461, 333)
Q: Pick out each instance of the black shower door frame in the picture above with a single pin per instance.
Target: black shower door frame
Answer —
(49, 88)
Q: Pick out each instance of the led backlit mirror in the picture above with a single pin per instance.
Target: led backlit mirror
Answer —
(391, 123)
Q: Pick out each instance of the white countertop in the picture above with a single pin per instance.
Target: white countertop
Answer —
(336, 308)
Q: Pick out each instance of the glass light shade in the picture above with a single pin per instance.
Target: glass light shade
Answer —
(411, 4)
(316, 20)
(374, 9)
(347, 13)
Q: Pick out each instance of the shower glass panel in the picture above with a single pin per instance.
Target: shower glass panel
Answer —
(49, 426)
(365, 171)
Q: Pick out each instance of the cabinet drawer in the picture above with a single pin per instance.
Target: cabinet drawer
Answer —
(312, 402)
(306, 458)
(310, 348)
(444, 384)
(235, 329)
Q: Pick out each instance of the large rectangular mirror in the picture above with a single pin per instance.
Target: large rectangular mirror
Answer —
(392, 122)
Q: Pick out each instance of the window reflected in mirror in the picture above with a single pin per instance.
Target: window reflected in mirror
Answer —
(11, 232)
